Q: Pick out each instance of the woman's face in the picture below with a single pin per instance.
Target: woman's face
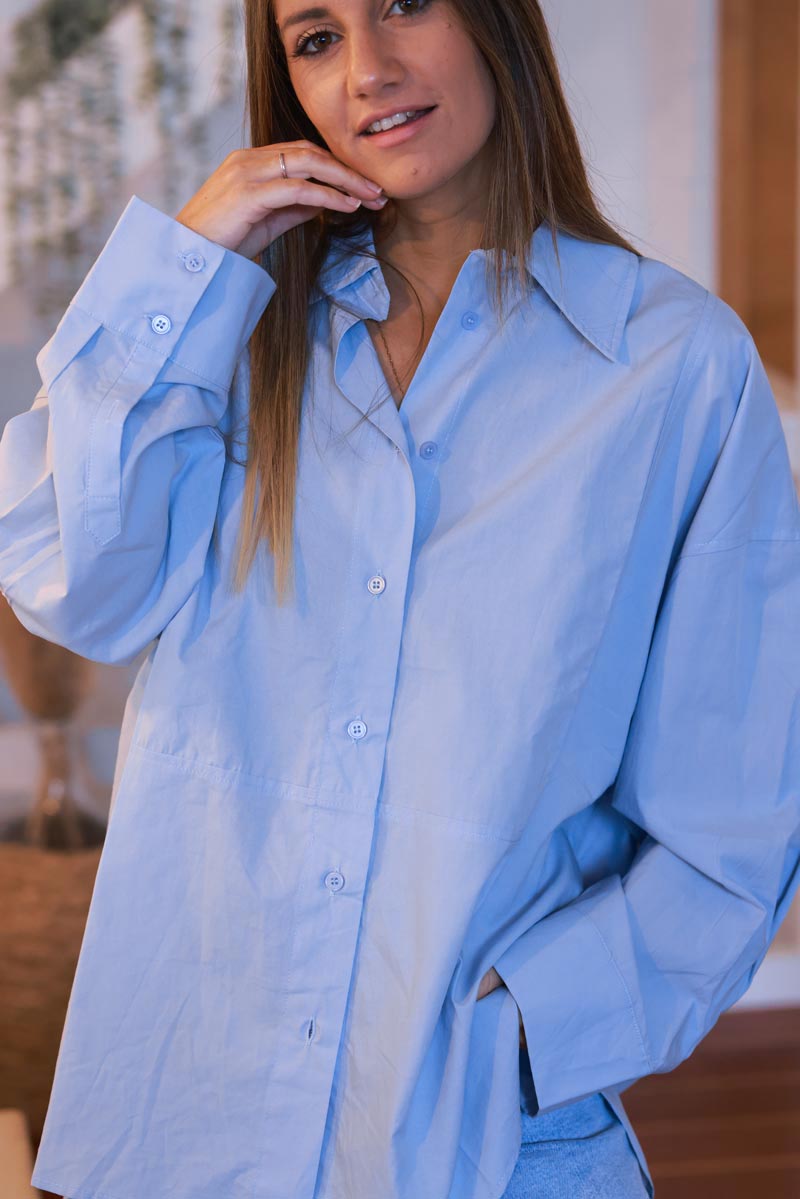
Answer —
(351, 59)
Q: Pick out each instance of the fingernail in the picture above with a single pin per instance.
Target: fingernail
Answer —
(376, 187)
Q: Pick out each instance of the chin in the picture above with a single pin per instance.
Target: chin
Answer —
(404, 189)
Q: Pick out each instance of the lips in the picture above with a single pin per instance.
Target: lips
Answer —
(420, 112)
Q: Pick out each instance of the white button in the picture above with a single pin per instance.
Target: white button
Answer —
(160, 323)
(376, 584)
(334, 881)
(194, 261)
(357, 729)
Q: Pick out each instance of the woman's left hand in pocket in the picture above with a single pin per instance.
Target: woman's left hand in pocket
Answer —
(489, 982)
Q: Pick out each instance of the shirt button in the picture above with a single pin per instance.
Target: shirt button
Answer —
(357, 729)
(161, 323)
(470, 319)
(194, 262)
(428, 449)
(376, 584)
(334, 881)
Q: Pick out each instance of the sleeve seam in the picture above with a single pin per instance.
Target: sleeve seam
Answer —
(621, 976)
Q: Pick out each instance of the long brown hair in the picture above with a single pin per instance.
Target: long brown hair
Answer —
(539, 175)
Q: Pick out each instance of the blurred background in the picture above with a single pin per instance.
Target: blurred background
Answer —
(689, 114)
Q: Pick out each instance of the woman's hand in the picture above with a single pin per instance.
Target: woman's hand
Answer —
(246, 203)
(489, 982)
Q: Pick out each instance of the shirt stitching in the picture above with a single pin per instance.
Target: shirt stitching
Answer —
(613, 960)
(711, 548)
(148, 346)
(89, 523)
(423, 507)
(285, 989)
(325, 749)
(325, 797)
(624, 309)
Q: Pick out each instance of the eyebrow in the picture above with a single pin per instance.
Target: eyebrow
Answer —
(308, 14)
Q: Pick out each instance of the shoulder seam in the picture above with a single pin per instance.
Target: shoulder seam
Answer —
(685, 374)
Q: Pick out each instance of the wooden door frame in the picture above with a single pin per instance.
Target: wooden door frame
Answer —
(757, 248)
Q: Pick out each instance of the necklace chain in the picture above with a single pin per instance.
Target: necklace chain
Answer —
(391, 360)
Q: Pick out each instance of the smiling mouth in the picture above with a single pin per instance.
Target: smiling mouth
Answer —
(401, 125)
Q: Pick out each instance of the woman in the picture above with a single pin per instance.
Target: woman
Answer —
(516, 751)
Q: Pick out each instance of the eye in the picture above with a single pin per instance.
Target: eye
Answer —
(302, 42)
(309, 38)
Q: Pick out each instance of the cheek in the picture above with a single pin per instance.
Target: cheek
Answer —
(313, 100)
(482, 92)
(464, 77)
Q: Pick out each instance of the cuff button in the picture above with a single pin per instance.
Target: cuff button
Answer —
(194, 262)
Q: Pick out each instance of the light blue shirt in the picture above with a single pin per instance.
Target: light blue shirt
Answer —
(534, 704)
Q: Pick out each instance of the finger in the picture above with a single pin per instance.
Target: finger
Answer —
(311, 195)
(317, 163)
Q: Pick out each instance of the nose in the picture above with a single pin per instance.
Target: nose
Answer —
(372, 63)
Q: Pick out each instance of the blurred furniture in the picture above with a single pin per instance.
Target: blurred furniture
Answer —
(50, 682)
(44, 898)
(48, 862)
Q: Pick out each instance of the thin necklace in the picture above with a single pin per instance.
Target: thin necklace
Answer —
(391, 360)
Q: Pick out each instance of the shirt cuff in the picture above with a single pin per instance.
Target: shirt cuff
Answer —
(182, 295)
(581, 1029)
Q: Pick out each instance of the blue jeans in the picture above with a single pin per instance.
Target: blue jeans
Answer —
(579, 1151)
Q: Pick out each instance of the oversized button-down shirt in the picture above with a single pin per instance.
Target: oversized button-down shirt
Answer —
(534, 703)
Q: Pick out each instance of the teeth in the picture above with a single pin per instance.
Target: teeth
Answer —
(399, 118)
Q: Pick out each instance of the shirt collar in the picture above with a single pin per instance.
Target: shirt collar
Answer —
(598, 281)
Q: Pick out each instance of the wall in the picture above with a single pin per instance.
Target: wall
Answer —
(640, 77)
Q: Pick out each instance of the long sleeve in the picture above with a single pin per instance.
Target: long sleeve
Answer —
(109, 482)
(626, 980)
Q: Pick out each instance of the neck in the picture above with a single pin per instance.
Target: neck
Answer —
(428, 238)
(430, 254)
